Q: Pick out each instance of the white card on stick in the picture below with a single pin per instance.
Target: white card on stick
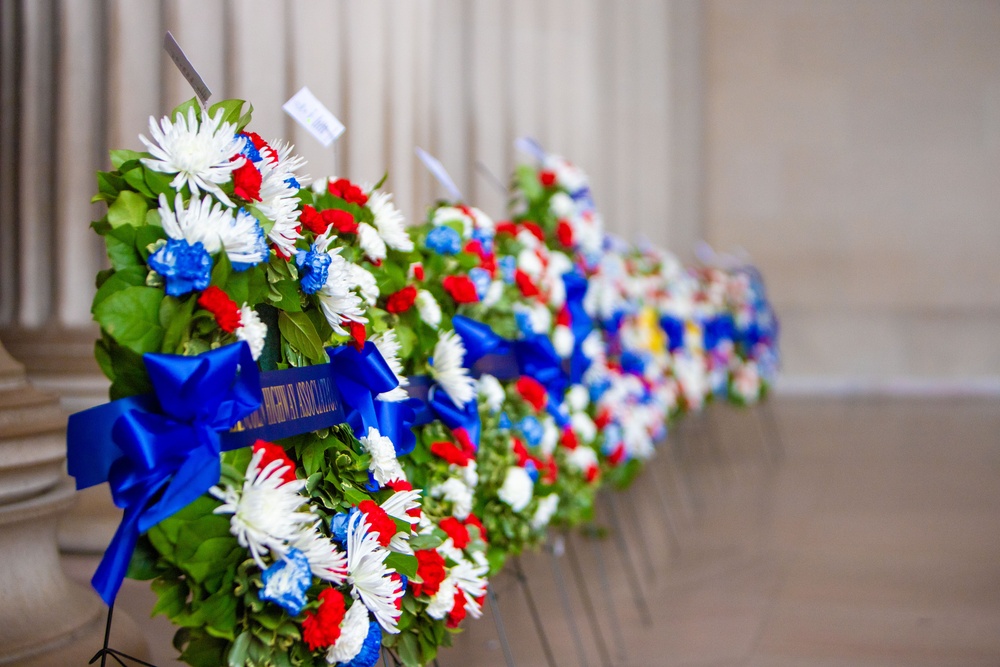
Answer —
(183, 63)
(311, 114)
(440, 173)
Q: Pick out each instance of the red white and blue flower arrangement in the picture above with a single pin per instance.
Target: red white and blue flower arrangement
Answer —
(328, 429)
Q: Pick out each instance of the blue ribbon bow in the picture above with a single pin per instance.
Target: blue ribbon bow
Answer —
(159, 453)
(433, 403)
(361, 375)
(581, 323)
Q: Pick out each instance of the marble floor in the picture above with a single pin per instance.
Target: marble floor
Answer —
(860, 532)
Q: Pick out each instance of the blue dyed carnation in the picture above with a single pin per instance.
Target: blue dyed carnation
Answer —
(314, 267)
(186, 268)
(523, 320)
(372, 485)
(508, 268)
(286, 582)
(369, 653)
(256, 249)
(505, 422)
(485, 238)
(532, 470)
(444, 240)
(532, 430)
(338, 525)
(292, 183)
(559, 413)
(480, 277)
(249, 151)
(633, 363)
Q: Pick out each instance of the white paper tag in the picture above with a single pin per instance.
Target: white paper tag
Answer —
(435, 167)
(311, 114)
(531, 147)
(176, 54)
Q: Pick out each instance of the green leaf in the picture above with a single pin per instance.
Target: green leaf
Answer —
(409, 649)
(136, 180)
(421, 542)
(354, 496)
(159, 183)
(120, 157)
(221, 271)
(298, 330)
(132, 276)
(404, 564)
(129, 209)
(132, 317)
(238, 653)
(109, 184)
(232, 109)
(175, 317)
(287, 296)
(121, 248)
(171, 596)
(183, 109)
(143, 564)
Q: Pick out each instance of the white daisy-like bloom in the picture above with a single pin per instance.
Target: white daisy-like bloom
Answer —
(200, 153)
(383, 466)
(369, 577)
(458, 493)
(563, 341)
(243, 239)
(266, 512)
(371, 243)
(517, 488)
(337, 298)
(398, 506)
(388, 347)
(562, 205)
(550, 436)
(428, 308)
(583, 426)
(493, 294)
(202, 221)
(567, 174)
(442, 601)
(452, 214)
(279, 200)
(492, 391)
(529, 262)
(471, 578)
(365, 282)
(448, 369)
(326, 560)
(389, 221)
(547, 506)
(528, 240)
(252, 330)
(577, 398)
(353, 632)
(582, 458)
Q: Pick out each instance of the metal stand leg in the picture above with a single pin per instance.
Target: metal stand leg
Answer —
(630, 569)
(644, 550)
(556, 549)
(588, 606)
(602, 574)
(533, 610)
(508, 655)
(668, 523)
(115, 655)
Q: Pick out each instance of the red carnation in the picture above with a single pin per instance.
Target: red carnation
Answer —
(273, 452)
(525, 284)
(568, 439)
(520, 451)
(246, 181)
(458, 533)
(358, 333)
(430, 570)
(450, 453)
(564, 232)
(603, 419)
(457, 613)
(398, 485)
(343, 221)
(618, 455)
(475, 246)
(347, 191)
(465, 441)
(550, 471)
(226, 312)
(380, 522)
(401, 301)
(489, 263)
(417, 270)
(592, 473)
(322, 629)
(262, 147)
(564, 318)
(534, 229)
(532, 391)
(473, 520)
(312, 219)
(461, 289)
(547, 178)
(506, 227)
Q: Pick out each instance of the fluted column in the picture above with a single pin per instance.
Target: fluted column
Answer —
(45, 619)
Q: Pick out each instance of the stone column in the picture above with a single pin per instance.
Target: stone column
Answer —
(45, 619)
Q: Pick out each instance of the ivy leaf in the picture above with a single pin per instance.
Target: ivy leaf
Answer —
(298, 330)
(129, 209)
(132, 317)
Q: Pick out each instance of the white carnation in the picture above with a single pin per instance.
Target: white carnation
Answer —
(517, 488)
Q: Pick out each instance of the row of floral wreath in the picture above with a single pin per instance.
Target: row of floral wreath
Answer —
(323, 548)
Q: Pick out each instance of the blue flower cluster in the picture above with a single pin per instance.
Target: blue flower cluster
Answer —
(444, 240)
(314, 267)
(286, 582)
(369, 653)
(480, 277)
(186, 267)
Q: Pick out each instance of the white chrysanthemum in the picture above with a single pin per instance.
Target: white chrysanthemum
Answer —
(550, 436)
(470, 473)
(492, 391)
(371, 243)
(398, 506)
(561, 205)
(593, 346)
(337, 298)
(471, 578)
(583, 426)
(388, 347)
(577, 398)
(443, 600)
(266, 514)
(528, 240)
(638, 443)
(389, 222)
(353, 632)
(455, 491)
(547, 506)
(384, 466)
(369, 577)
(746, 381)
(517, 488)
(563, 341)
(365, 283)
(202, 221)
(279, 199)
(529, 262)
(429, 309)
(326, 560)
(493, 294)
(243, 239)
(252, 330)
(201, 154)
(582, 458)
(690, 372)
(448, 370)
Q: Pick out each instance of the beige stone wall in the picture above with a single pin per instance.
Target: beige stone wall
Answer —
(853, 147)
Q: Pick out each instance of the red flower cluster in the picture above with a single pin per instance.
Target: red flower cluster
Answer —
(264, 148)
(618, 455)
(457, 613)
(525, 284)
(225, 310)
(246, 181)
(486, 259)
(430, 571)
(547, 178)
(347, 191)
(506, 227)
(535, 230)
(461, 289)
(564, 232)
(417, 271)
(401, 301)
(380, 522)
(343, 221)
(273, 452)
(450, 453)
(473, 520)
(458, 533)
(593, 472)
(313, 220)
(465, 441)
(322, 629)
(568, 439)
(532, 391)
(358, 333)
